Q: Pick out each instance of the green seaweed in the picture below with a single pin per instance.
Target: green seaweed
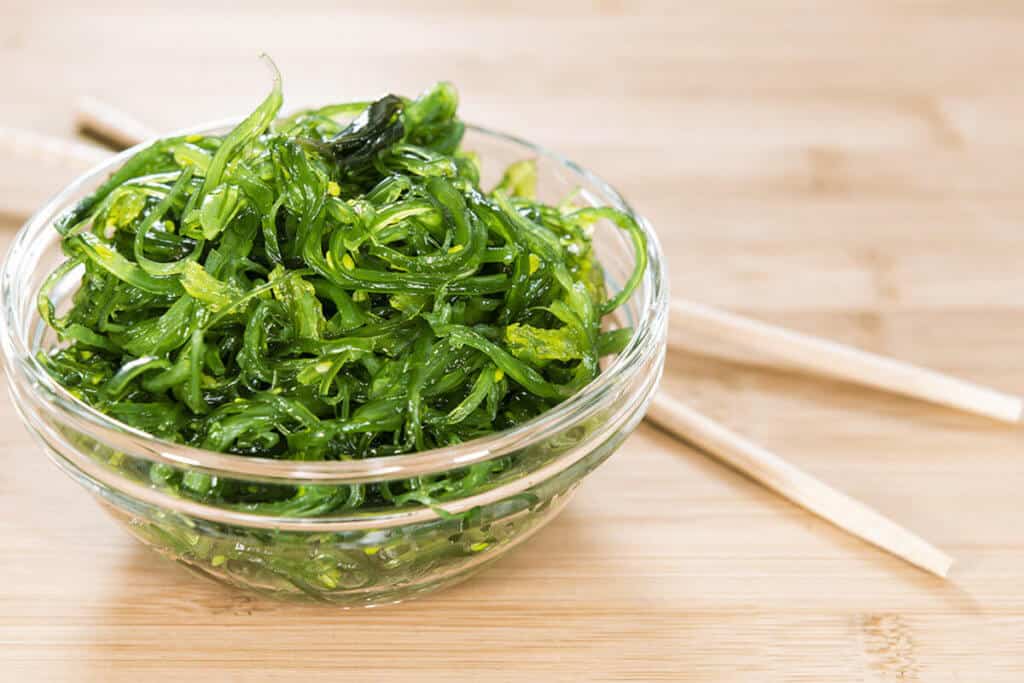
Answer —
(325, 290)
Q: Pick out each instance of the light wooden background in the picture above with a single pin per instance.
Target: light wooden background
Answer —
(852, 169)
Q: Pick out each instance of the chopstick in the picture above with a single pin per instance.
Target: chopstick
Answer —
(795, 485)
(843, 362)
(803, 351)
(51, 150)
(42, 164)
(745, 456)
(780, 344)
(109, 124)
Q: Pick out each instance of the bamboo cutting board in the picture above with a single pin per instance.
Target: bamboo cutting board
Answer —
(850, 169)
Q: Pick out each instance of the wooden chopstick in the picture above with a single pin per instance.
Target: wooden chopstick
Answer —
(796, 485)
(836, 360)
(800, 350)
(35, 166)
(747, 457)
(110, 124)
(48, 149)
(780, 344)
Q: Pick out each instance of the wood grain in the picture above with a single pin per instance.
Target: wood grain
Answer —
(850, 169)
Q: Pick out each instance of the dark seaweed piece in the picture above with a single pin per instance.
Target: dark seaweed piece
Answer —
(376, 129)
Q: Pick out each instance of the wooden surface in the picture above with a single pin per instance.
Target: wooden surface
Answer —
(851, 169)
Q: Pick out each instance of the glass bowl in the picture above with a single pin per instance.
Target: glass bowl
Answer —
(364, 558)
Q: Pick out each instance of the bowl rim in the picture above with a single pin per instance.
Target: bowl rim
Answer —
(646, 342)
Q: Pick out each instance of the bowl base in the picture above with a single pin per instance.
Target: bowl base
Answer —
(248, 576)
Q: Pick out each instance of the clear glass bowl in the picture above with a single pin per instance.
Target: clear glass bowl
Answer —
(373, 556)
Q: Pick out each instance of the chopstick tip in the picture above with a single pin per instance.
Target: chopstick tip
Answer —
(934, 562)
(1020, 411)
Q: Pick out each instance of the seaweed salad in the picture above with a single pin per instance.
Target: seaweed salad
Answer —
(333, 285)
